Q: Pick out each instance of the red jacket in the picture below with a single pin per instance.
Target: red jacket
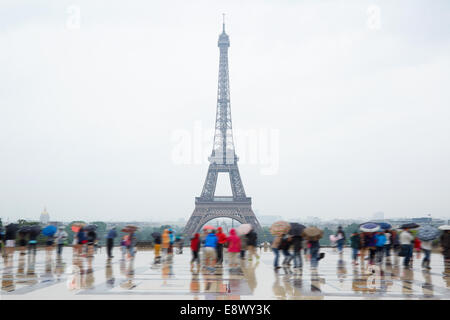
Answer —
(195, 242)
(234, 242)
(221, 237)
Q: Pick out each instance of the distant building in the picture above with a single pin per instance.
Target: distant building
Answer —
(45, 218)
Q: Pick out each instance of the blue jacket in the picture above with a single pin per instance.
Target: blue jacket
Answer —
(111, 234)
(381, 240)
(211, 240)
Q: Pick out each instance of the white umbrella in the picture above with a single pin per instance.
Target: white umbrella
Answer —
(444, 227)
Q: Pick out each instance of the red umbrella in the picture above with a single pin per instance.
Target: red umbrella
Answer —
(208, 227)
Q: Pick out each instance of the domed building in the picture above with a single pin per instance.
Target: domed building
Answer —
(45, 218)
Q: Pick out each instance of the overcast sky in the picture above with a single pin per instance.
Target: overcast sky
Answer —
(340, 108)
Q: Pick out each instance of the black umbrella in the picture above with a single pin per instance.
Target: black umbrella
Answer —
(35, 230)
(24, 230)
(409, 226)
(12, 227)
(156, 235)
(296, 229)
(90, 227)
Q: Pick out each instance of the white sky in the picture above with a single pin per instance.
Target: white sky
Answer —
(88, 116)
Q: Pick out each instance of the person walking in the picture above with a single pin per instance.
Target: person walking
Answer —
(61, 237)
(243, 245)
(314, 250)
(426, 247)
(234, 247)
(417, 247)
(355, 243)
(371, 245)
(380, 241)
(165, 244)
(406, 242)
(123, 245)
(297, 244)
(131, 245)
(91, 238)
(445, 246)
(284, 247)
(275, 249)
(195, 248)
(157, 248)
(340, 235)
(252, 239)
(210, 250)
(221, 240)
(82, 240)
(388, 244)
(171, 241)
(112, 234)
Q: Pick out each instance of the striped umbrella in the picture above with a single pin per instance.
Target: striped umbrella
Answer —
(280, 227)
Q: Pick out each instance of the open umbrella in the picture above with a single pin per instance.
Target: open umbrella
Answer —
(12, 227)
(24, 230)
(129, 229)
(296, 229)
(208, 227)
(369, 227)
(75, 228)
(385, 225)
(312, 233)
(35, 230)
(243, 229)
(427, 233)
(156, 235)
(90, 227)
(444, 227)
(280, 227)
(333, 238)
(49, 230)
(409, 226)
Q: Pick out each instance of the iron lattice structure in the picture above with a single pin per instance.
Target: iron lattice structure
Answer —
(223, 159)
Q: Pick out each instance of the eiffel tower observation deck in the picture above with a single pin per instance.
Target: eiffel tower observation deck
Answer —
(223, 159)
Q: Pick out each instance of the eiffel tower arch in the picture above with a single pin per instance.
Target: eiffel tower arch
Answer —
(223, 159)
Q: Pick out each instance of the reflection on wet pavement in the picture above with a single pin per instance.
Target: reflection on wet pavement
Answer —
(70, 276)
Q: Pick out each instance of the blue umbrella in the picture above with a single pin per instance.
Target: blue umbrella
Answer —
(385, 225)
(49, 231)
(369, 227)
(427, 233)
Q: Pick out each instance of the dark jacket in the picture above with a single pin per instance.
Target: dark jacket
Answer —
(445, 243)
(285, 243)
(297, 242)
(355, 241)
(251, 238)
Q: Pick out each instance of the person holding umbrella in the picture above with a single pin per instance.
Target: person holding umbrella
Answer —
(278, 229)
(22, 241)
(406, 241)
(112, 234)
(252, 238)
(297, 242)
(10, 239)
(157, 247)
(445, 245)
(165, 243)
(340, 236)
(32, 242)
(222, 239)
(49, 231)
(234, 247)
(61, 237)
(195, 248)
(355, 243)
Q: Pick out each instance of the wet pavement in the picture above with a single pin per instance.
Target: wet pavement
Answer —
(37, 277)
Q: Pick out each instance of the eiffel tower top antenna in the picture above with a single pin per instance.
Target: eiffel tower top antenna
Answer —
(223, 23)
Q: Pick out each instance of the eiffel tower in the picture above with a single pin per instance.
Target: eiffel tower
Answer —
(223, 159)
